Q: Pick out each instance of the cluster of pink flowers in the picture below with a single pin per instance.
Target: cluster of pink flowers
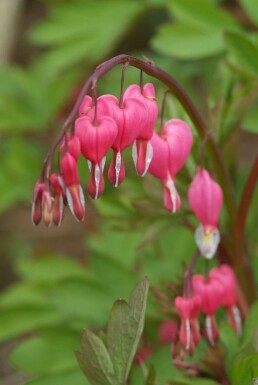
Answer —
(218, 289)
(104, 124)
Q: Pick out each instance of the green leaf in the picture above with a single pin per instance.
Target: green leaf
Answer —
(230, 343)
(125, 327)
(50, 268)
(201, 13)
(23, 319)
(250, 324)
(187, 42)
(67, 377)
(95, 360)
(251, 7)
(50, 352)
(83, 31)
(244, 370)
(250, 122)
(244, 52)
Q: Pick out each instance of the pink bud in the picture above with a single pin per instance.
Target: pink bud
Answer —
(69, 169)
(71, 144)
(36, 212)
(58, 185)
(205, 198)
(74, 191)
(86, 105)
(47, 205)
(168, 332)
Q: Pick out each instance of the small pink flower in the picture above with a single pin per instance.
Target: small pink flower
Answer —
(211, 293)
(170, 151)
(58, 184)
(225, 275)
(36, 212)
(188, 309)
(205, 198)
(74, 191)
(142, 148)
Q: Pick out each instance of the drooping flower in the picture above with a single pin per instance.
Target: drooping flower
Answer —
(205, 198)
(96, 138)
(74, 191)
(58, 184)
(36, 210)
(170, 151)
(210, 291)
(188, 309)
(142, 148)
(225, 275)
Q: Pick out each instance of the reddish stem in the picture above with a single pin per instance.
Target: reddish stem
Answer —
(241, 259)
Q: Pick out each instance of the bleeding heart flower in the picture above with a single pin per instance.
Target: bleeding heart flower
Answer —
(226, 276)
(142, 148)
(170, 151)
(211, 293)
(74, 191)
(205, 198)
(58, 184)
(96, 139)
(36, 211)
(188, 309)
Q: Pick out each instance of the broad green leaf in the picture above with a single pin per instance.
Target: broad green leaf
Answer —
(95, 361)
(187, 42)
(21, 292)
(244, 370)
(23, 319)
(83, 31)
(84, 301)
(230, 343)
(250, 122)
(244, 51)
(125, 327)
(250, 325)
(50, 269)
(67, 377)
(50, 352)
(201, 13)
(251, 7)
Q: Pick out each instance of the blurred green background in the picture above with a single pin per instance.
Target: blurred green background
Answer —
(56, 281)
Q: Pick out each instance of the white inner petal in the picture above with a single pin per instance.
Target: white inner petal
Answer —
(173, 193)
(89, 164)
(97, 179)
(149, 156)
(238, 320)
(188, 334)
(208, 326)
(103, 162)
(61, 209)
(207, 242)
(118, 166)
(134, 153)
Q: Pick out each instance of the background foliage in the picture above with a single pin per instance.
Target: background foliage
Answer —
(59, 281)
